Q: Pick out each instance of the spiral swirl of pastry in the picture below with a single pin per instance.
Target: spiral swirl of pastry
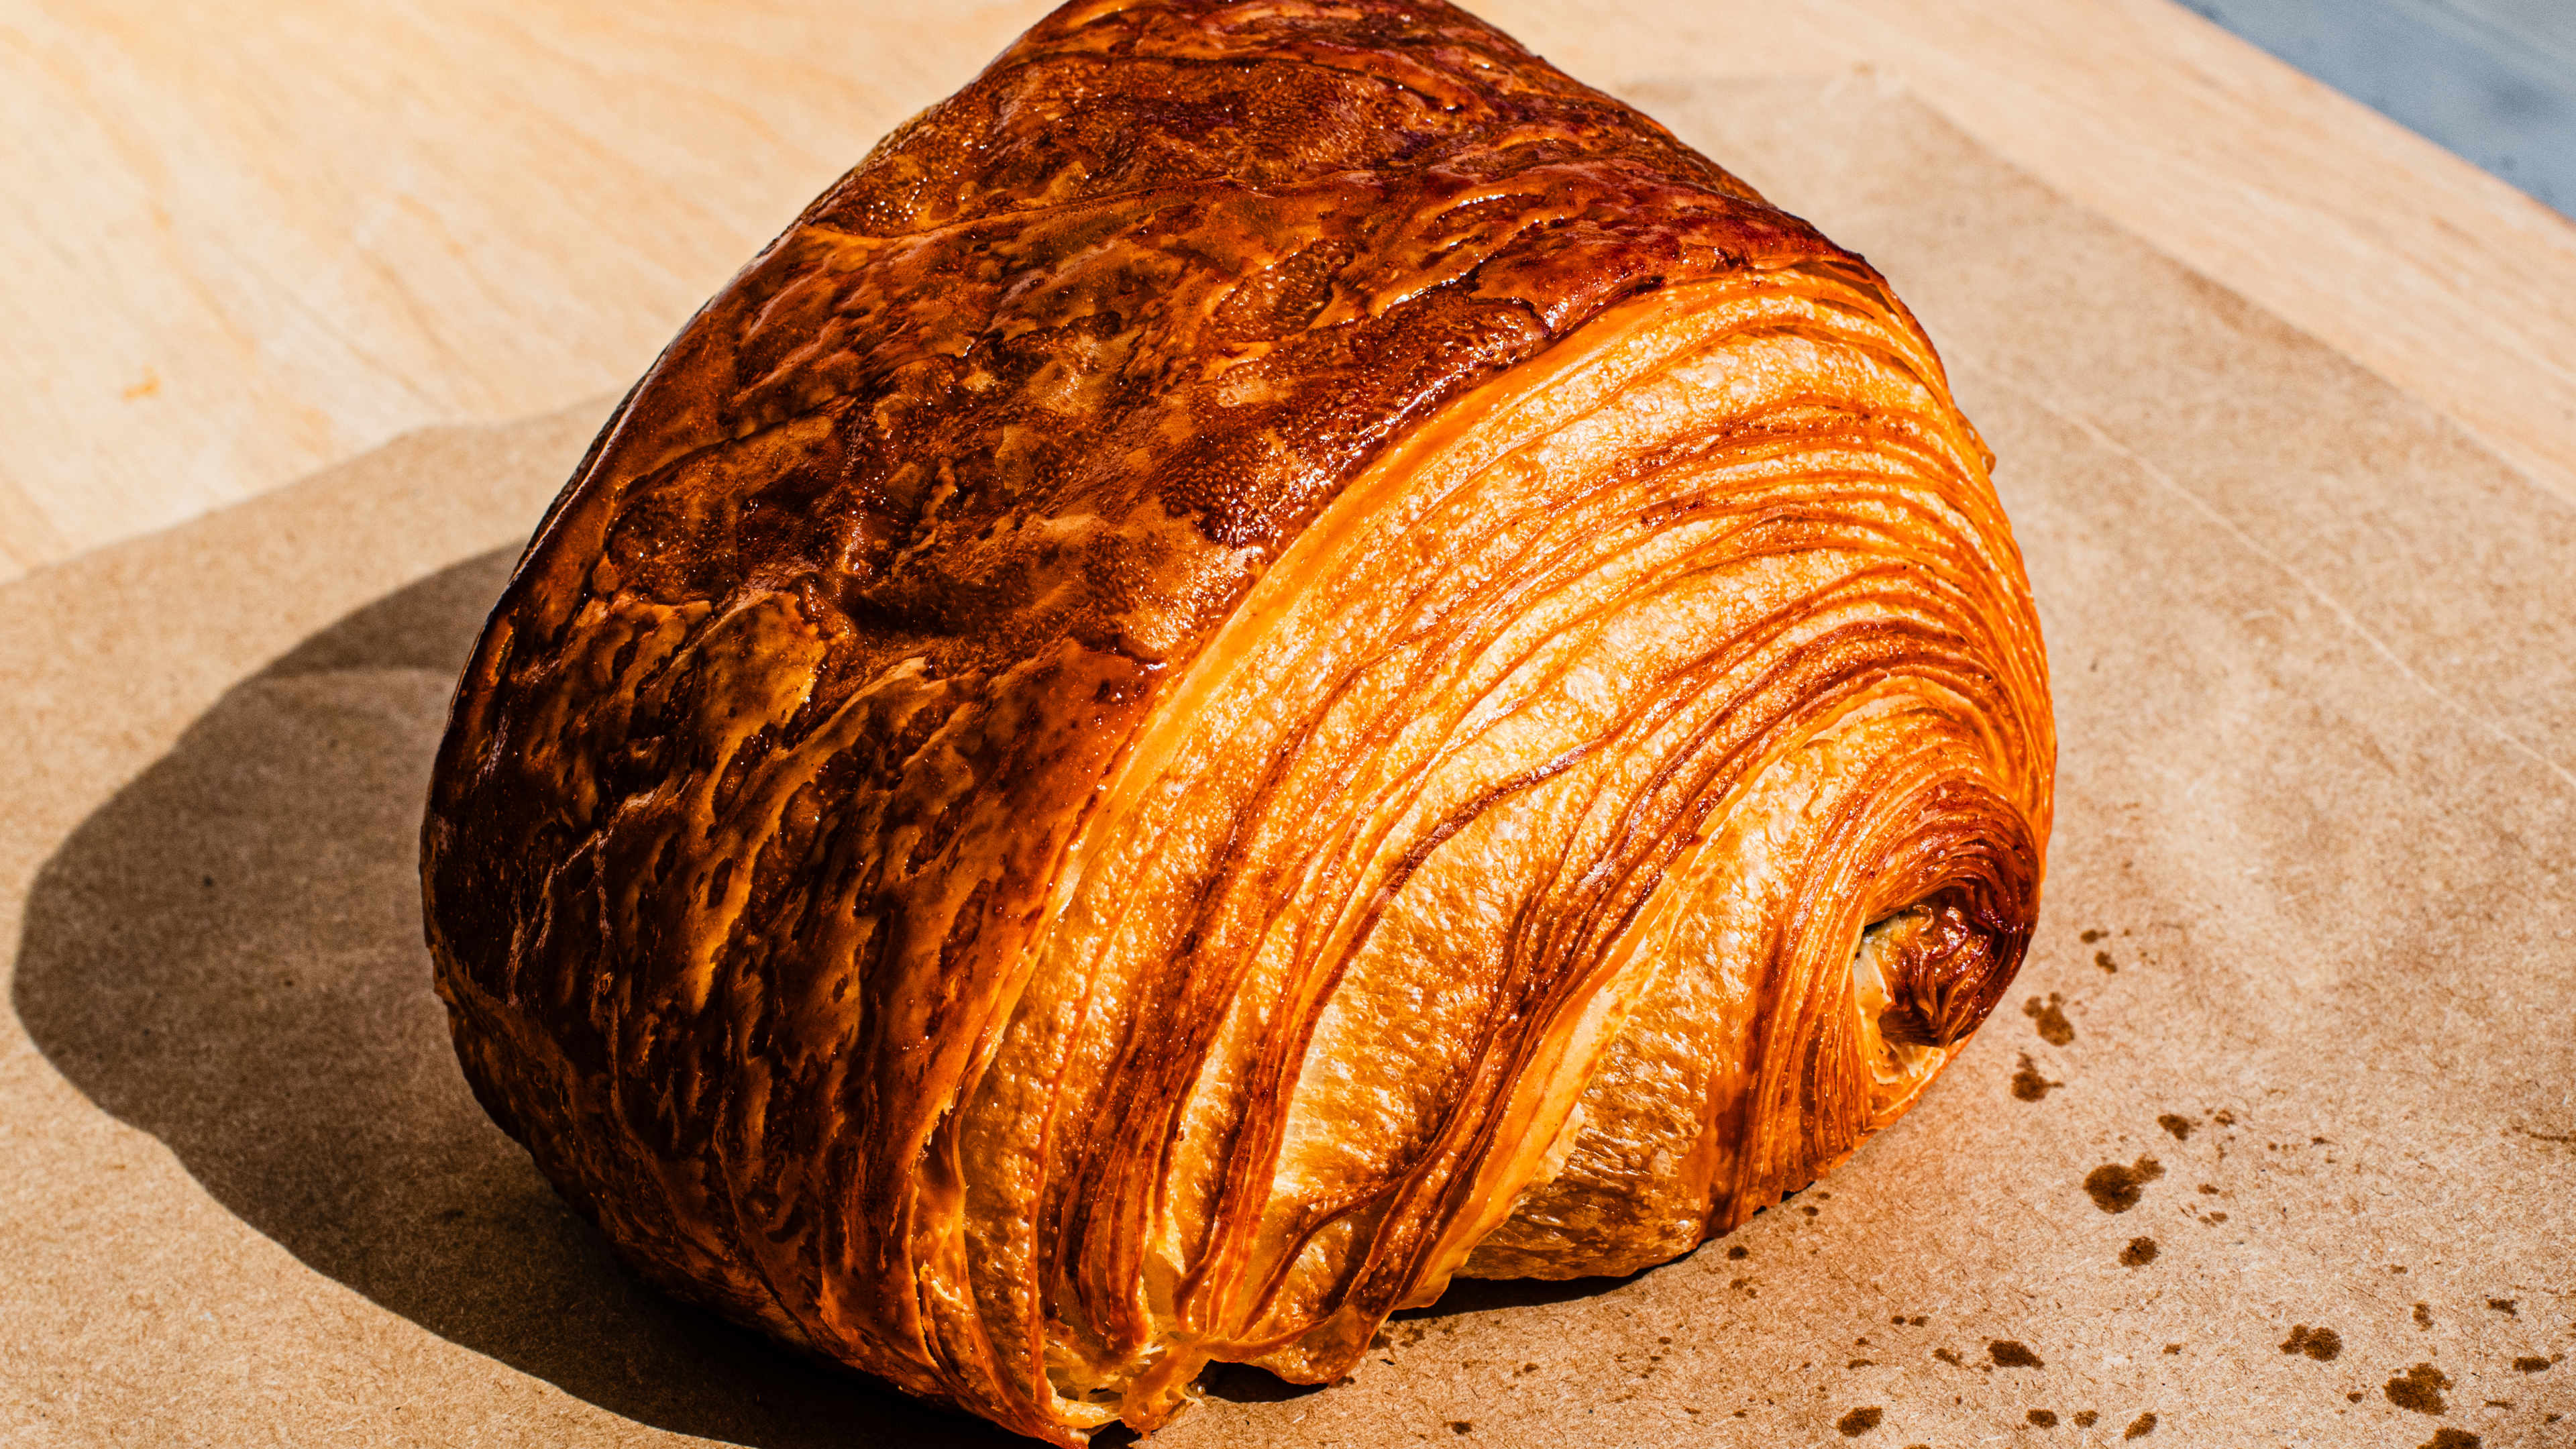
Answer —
(1276, 656)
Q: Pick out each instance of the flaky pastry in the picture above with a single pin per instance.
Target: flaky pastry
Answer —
(1277, 656)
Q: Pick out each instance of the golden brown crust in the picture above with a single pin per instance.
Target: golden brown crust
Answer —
(1276, 648)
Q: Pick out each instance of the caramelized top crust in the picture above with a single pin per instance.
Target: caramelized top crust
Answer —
(762, 781)
(1162, 262)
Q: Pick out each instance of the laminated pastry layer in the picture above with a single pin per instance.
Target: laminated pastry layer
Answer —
(1490, 892)
(1276, 655)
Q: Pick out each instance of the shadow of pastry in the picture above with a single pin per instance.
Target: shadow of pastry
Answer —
(1484, 1295)
(228, 956)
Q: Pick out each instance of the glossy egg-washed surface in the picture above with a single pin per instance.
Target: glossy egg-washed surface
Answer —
(1277, 655)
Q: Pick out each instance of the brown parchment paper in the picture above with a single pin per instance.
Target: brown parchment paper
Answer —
(2274, 1142)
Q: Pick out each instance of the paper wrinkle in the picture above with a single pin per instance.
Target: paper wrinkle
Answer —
(2039, 398)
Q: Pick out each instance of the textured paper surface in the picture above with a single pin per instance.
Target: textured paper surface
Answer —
(2274, 1142)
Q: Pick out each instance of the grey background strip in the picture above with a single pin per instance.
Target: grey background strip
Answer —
(2493, 80)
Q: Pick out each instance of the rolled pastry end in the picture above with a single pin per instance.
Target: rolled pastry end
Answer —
(1614, 809)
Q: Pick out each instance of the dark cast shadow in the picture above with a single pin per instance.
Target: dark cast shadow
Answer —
(228, 956)
(1244, 1384)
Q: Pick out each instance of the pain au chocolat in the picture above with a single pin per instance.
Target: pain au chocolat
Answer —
(1277, 656)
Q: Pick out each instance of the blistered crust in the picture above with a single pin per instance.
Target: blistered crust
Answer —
(1276, 654)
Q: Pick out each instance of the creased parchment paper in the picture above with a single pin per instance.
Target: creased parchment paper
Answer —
(2273, 1143)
